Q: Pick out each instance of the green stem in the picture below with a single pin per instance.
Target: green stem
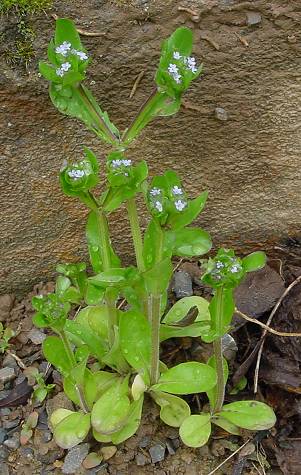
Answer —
(218, 353)
(154, 314)
(136, 233)
(146, 112)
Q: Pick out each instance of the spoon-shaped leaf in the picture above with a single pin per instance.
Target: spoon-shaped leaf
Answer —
(195, 430)
(251, 415)
(174, 410)
(72, 430)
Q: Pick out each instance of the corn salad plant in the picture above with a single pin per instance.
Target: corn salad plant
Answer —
(125, 344)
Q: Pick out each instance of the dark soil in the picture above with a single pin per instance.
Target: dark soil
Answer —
(157, 448)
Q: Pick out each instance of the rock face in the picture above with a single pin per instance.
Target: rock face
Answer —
(250, 163)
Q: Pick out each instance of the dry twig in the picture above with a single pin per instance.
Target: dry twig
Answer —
(136, 83)
(266, 327)
(242, 39)
(287, 290)
(230, 457)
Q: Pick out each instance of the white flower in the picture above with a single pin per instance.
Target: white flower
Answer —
(81, 54)
(219, 265)
(127, 163)
(65, 66)
(235, 268)
(59, 72)
(174, 72)
(63, 49)
(180, 205)
(158, 206)
(155, 191)
(191, 64)
(176, 190)
(177, 55)
(76, 173)
(118, 163)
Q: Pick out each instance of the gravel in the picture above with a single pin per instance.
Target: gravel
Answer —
(182, 284)
(7, 374)
(157, 453)
(74, 458)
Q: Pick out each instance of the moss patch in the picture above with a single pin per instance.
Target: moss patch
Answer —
(19, 48)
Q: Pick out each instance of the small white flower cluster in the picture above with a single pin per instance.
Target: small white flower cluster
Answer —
(63, 69)
(235, 268)
(176, 190)
(76, 173)
(66, 49)
(219, 265)
(155, 191)
(187, 61)
(119, 163)
(158, 205)
(180, 205)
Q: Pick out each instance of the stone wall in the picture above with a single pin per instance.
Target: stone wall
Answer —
(247, 154)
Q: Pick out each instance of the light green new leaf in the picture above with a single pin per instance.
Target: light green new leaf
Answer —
(135, 340)
(179, 220)
(226, 425)
(193, 330)
(174, 410)
(65, 31)
(86, 334)
(251, 415)
(158, 277)
(132, 423)
(187, 378)
(57, 416)
(189, 242)
(195, 430)
(110, 412)
(181, 308)
(254, 261)
(72, 430)
(54, 351)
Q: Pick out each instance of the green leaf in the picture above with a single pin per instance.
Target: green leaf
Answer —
(40, 321)
(54, 351)
(135, 340)
(239, 386)
(212, 393)
(152, 236)
(95, 344)
(57, 416)
(226, 425)
(174, 410)
(227, 307)
(94, 295)
(110, 412)
(94, 318)
(187, 378)
(65, 30)
(194, 208)
(62, 284)
(193, 330)
(255, 261)
(105, 439)
(250, 415)
(189, 242)
(195, 430)
(158, 277)
(48, 72)
(132, 423)
(181, 41)
(72, 430)
(181, 308)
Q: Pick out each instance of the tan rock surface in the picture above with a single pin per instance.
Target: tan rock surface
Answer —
(250, 162)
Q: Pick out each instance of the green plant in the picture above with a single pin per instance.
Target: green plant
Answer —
(126, 344)
(27, 427)
(5, 335)
(40, 388)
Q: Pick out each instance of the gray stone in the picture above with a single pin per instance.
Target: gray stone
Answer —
(36, 336)
(3, 436)
(157, 453)
(7, 374)
(221, 114)
(4, 453)
(9, 361)
(141, 459)
(11, 424)
(229, 346)
(170, 447)
(74, 458)
(4, 469)
(13, 443)
(253, 18)
(144, 442)
(182, 284)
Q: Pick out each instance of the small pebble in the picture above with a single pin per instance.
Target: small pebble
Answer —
(253, 18)
(108, 452)
(4, 469)
(12, 444)
(182, 284)
(7, 374)
(74, 458)
(3, 436)
(144, 442)
(170, 447)
(36, 336)
(3, 452)
(157, 453)
(141, 460)
(221, 114)
(9, 361)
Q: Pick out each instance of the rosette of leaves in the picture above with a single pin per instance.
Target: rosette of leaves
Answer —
(67, 69)
(51, 311)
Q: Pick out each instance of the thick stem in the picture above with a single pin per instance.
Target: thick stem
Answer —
(218, 353)
(136, 233)
(154, 314)
(82, 400)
